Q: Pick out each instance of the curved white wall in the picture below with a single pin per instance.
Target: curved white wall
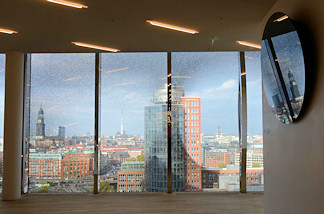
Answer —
(294, 154)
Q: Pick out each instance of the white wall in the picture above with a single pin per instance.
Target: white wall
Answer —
(294, 154)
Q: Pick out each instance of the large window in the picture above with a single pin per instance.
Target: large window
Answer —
(206, 85)
(134, 120)
(61, 144)
(254, 158)
(2, 88)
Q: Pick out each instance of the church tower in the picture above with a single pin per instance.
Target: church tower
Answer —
(40, 127)
(293, 86)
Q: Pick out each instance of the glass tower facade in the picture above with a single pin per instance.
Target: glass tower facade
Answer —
(156, 142)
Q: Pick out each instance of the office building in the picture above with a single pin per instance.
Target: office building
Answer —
(45, 166)
(130, 178)
(77, 164)
(213, 159)
(156, 136)
(192, 145)
(61, 133)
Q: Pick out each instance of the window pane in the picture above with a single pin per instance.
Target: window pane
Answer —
(207, 86)
(2, 93)
(133, 122)
(61, 123)
(254, 158)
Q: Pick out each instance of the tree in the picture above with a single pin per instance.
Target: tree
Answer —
(140, 158)
(43, 190)
(222, 165)
(135, 138)
(255, 165)
(130, 159)
(105, 187)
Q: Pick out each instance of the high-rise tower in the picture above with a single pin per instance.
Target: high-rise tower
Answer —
(40, 126)
(61, 133)
(122, 123)
(192, 143)
(156, 142)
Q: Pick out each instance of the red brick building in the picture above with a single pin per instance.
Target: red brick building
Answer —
(45, 166)
(61, 166)
(192, 145)
(213, 159)
(77, 165)
(130, 178)
(210, 176)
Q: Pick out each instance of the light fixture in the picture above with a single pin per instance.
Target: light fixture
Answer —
(281, 18)
(172, 27)
(2, 30)
(249, 44)
(95, 47)
(68, 3)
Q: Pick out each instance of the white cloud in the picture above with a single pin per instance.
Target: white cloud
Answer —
(225, 90)
(228, 84)
(254, 82)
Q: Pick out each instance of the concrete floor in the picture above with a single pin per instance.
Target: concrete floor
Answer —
(227, 203)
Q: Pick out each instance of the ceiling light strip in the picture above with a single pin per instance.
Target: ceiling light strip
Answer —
(2, 30)
(68, 3)
(249, 44)
(281, 18)
(95, 47)
(172, 27)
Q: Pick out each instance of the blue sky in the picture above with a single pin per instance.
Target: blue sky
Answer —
(64, 85)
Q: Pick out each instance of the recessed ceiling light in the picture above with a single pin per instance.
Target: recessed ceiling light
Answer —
(68, 3)
(95, 47)
(249, 44)
(2, 30)
(172, 27)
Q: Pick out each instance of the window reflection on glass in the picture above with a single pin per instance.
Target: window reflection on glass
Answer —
(291, 61)
(207, 86)
(254, 158)
(2, 93)
(133, 143)
(61, 145)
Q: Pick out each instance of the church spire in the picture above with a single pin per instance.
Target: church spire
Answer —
(40, 126)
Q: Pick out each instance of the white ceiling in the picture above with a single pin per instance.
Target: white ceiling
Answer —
(48, 27)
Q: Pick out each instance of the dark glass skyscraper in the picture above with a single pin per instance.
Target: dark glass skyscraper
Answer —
(156, 135)
(61, 133)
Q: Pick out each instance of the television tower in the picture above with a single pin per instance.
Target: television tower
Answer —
(122, 122)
